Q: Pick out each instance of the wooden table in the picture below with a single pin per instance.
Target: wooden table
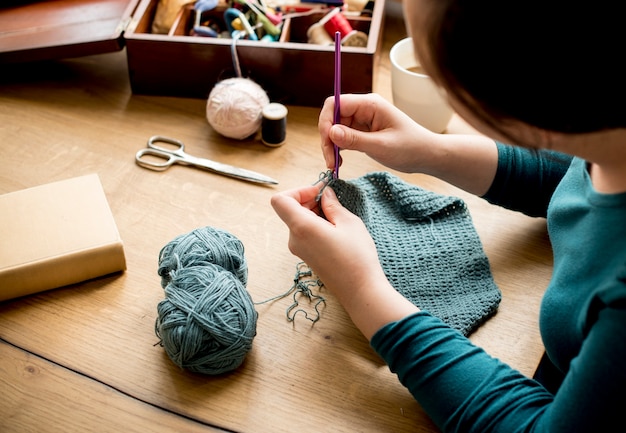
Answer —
(84, 357)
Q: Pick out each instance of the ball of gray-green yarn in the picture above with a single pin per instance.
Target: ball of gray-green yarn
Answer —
(207, 321)
(200, 247)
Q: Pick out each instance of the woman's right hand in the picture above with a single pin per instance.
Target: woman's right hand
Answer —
(372, 125)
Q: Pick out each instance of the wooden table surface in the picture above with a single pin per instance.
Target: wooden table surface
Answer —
(86, 358)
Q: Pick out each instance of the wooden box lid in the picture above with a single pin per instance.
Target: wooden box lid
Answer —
(50, 29)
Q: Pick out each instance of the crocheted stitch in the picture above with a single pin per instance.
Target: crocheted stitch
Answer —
(427, 246)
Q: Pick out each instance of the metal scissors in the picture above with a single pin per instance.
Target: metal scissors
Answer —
(177, 155)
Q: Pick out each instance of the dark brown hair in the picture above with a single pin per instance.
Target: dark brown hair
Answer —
(555, 65)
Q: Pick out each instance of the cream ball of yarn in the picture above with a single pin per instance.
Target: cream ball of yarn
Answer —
(234, 107)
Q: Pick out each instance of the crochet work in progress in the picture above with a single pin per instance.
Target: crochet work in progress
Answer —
(427, 245)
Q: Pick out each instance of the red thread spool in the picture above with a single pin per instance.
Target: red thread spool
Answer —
(334, 22)
(338, 23)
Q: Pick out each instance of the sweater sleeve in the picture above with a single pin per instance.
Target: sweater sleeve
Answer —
(526, 179)
(458, 384)
(463, 389)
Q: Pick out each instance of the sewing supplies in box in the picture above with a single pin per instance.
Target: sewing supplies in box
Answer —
(258, 20)
(285, 48)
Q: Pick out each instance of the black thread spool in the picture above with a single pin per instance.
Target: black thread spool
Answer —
(274, 124)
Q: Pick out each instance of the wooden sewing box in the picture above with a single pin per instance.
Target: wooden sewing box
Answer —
(290, 70)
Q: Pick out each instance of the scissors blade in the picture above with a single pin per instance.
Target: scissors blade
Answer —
(229, 170)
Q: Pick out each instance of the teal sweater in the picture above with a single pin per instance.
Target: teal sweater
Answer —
(582, 318)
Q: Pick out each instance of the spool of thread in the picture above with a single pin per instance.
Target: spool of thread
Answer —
(334, 22)
(317, 34)
(234, 107)
(355, 38)
(207, 321)
(274, 124)
(326, 18)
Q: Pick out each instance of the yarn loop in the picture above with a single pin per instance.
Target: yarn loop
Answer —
(207, 321)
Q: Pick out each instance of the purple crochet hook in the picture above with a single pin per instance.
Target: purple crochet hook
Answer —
(337, 118)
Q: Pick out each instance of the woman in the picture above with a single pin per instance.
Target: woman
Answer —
(545, 78)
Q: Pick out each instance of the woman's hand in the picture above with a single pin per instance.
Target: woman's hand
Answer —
(341, 241)
(340, 250)
(370, 124)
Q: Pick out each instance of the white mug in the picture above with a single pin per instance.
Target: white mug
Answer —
(414, 92)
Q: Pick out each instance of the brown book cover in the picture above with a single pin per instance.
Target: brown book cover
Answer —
(57, 234)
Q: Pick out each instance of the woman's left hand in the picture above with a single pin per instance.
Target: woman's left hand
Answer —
(340, 250)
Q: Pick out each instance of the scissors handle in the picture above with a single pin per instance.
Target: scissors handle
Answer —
(160, 158)
(161, 161)
(176, 154)
(176, 147)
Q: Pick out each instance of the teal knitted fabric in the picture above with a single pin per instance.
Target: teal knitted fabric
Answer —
(427, 245)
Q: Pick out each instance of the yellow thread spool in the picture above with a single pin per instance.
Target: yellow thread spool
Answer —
(317, 34)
